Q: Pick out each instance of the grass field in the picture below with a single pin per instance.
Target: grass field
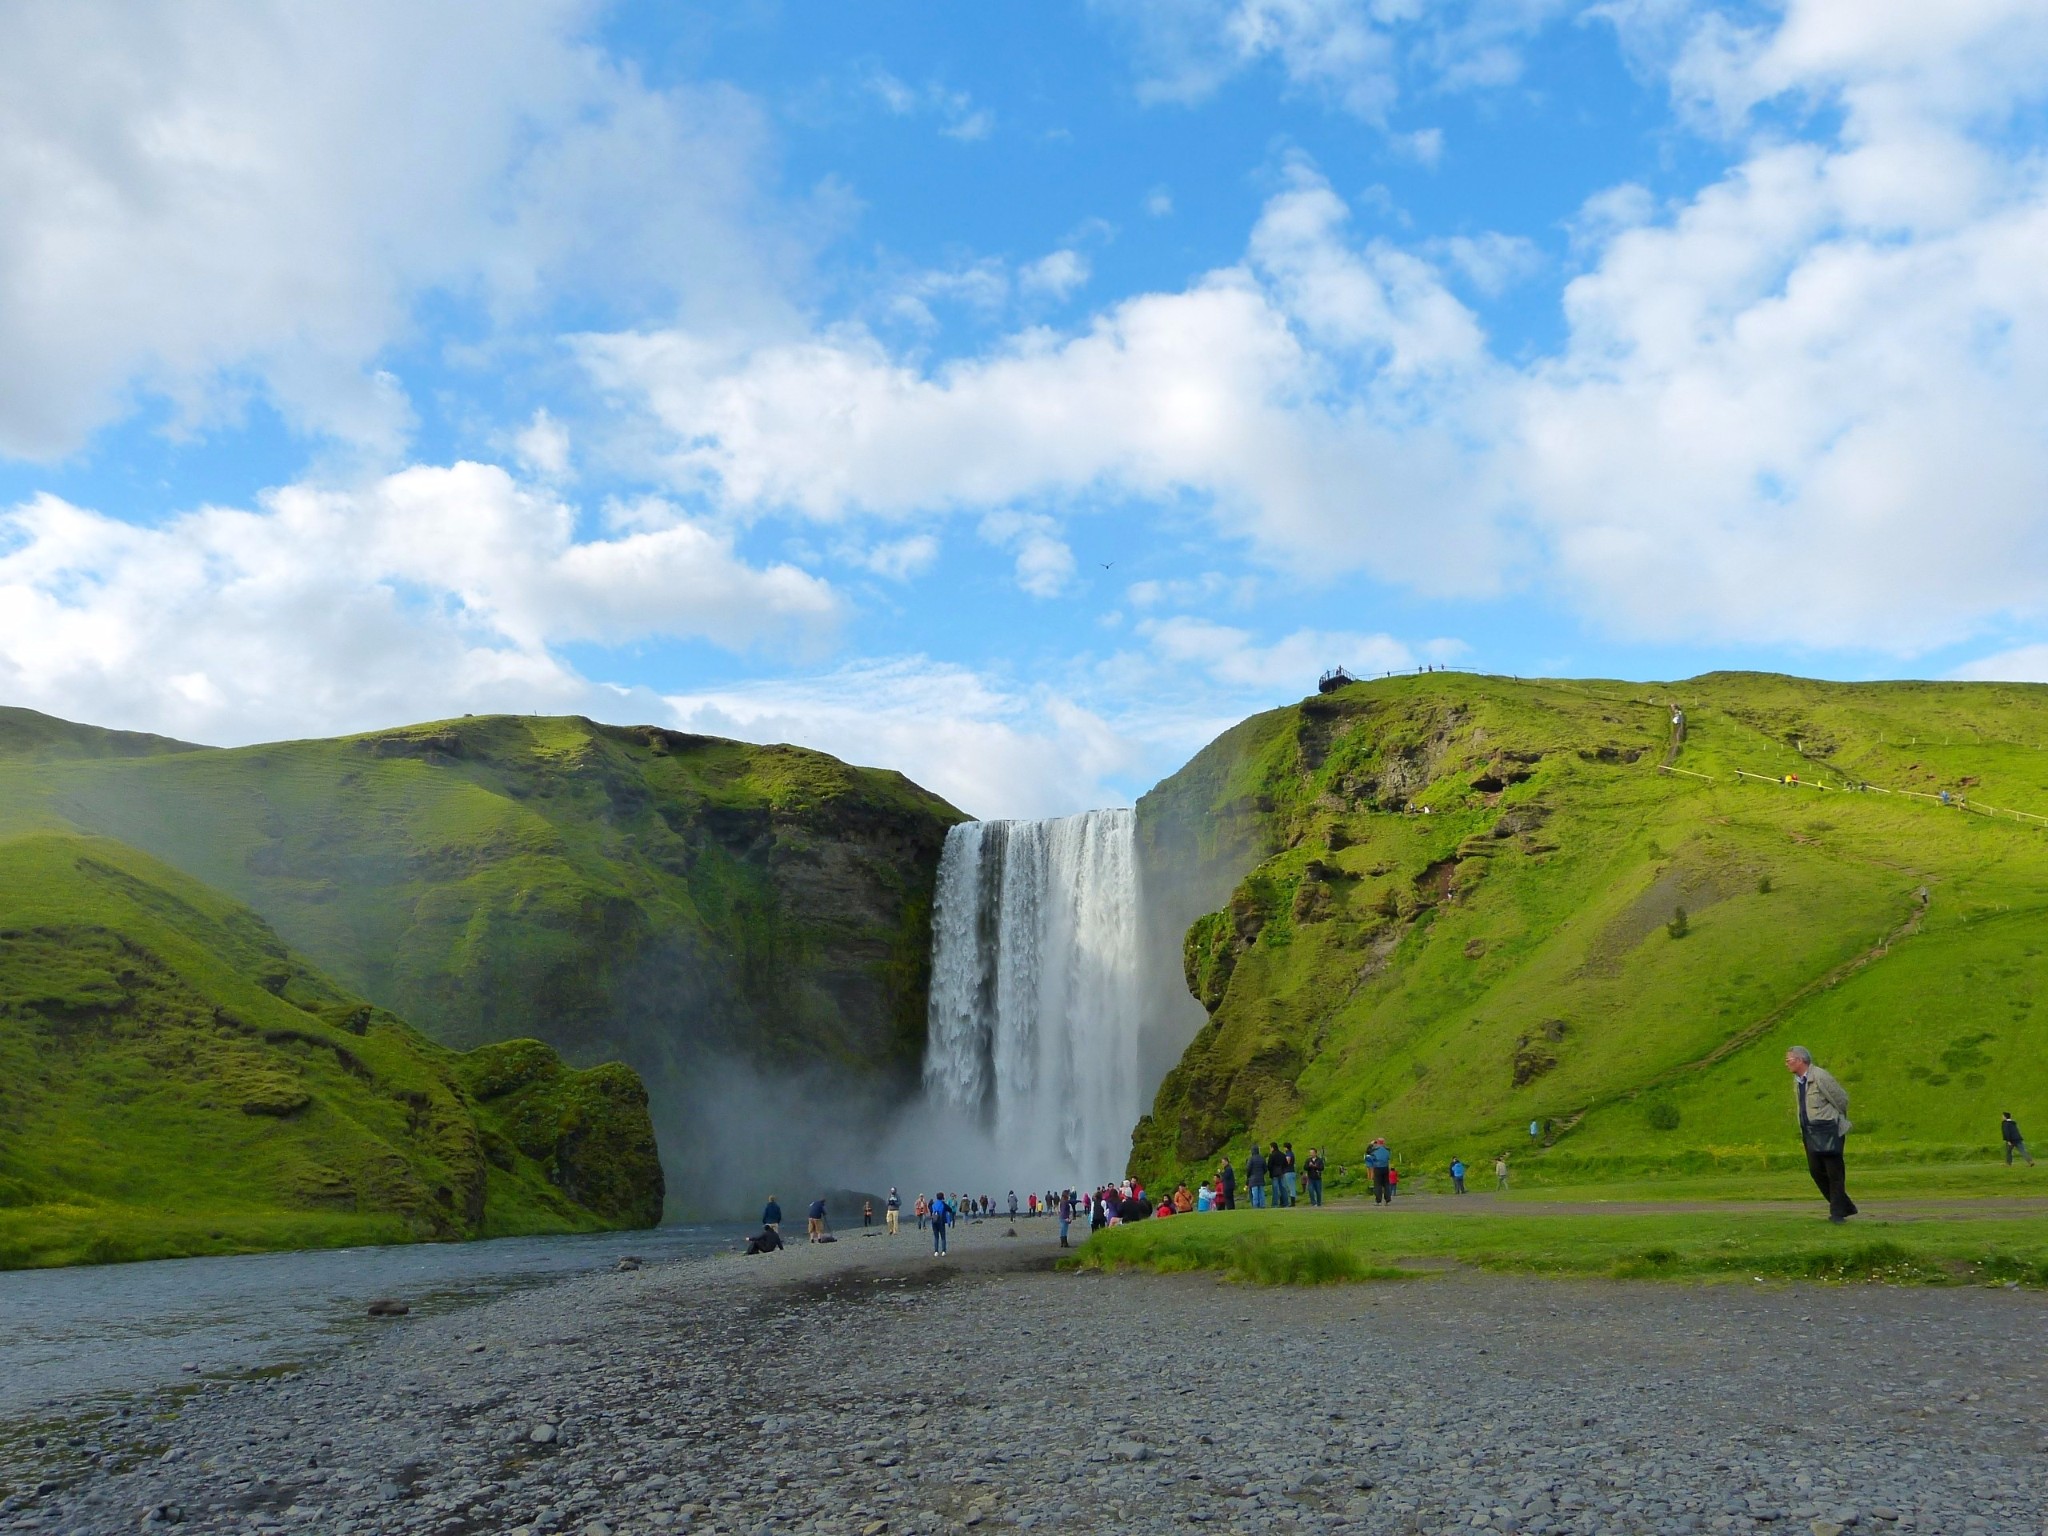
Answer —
(1468, 920)
(1896, 1242)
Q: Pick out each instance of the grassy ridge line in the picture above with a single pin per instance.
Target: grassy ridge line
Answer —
(623, 893)
(1302, 1247)
(175, 1081)
(1461, 925)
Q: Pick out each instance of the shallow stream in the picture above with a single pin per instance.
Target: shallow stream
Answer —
(67, 1335)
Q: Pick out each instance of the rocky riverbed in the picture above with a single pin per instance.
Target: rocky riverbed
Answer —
(866, 1388)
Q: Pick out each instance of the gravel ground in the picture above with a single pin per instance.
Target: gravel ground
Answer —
(867, 1388)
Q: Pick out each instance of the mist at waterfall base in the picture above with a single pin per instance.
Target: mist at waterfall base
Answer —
(1050, 1023)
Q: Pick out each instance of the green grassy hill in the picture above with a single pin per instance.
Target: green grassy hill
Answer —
(174, 1080)
(1464, 921)
(623, 894)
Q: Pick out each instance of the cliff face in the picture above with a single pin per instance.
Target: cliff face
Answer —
(623, 894)
(1459, 913)
(173, 1079)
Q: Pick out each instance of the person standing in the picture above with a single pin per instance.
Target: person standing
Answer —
(941, 1214)
(2009, 1128)
(1824, 1127)
(1066, 1214)
(1255, 1176)
(1274, 1176)
(1458, 1175)
(894, 1209)
(1381, 1161)
(771, 1216)
(1013, 1205)
(867, 1214)
(1314, 1169)
(920, 1210)
(1290, 1189)
(1226, 1185)
(817, 1220)
(1500, 1171)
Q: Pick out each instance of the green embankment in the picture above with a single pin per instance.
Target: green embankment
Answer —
(1302, 1247)
(1443, 979)
(623, 894)
(174, 1080)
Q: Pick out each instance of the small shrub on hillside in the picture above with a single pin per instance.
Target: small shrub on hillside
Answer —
(1661, 1115)
(1763, 885)
(1678, 927)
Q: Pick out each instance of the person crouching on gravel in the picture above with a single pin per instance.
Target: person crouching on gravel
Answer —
(1823, 1106)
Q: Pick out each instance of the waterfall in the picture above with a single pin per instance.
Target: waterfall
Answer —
(1035, 1010)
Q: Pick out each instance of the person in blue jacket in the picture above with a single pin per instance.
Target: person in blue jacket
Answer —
(1380, 1160)
(942, 1216)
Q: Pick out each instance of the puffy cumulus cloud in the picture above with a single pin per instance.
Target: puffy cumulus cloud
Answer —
(1291, 392)
(206, 200)
(425, 591)
(1803, 404)
(990, 749)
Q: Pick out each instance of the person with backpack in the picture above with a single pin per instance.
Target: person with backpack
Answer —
(1458, 1175)
(1823, 1105)
(1255, 1177)
(1314, 1169)
(941, 1214)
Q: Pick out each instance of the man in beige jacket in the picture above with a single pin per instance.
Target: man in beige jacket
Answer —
(1824, 1127)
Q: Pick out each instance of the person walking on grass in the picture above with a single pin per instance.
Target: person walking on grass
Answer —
(1500, 1171)
(941, 1214)
(1255, 1176)
(1381, 1161)
(1823, 1106)
(893, 1208)
(2009, 1128)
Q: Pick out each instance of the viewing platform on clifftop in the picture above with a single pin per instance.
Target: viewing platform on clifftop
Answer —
(1334, 679)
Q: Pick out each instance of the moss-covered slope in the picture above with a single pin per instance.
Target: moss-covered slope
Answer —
(174, 1080)
(1466, 920)
(629, 894)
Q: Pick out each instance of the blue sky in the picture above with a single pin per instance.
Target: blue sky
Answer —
(1015, 395)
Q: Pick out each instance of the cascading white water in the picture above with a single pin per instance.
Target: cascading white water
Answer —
(1035, 1010)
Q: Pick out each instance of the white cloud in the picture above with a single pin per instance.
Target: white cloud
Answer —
(1044, 562)
(1801, 405)
(959, 118)
(206, 200)
(989, 749)
(1358, 55)
(1158, 203)
(2021, 664)
(542, 446)
(1056, 275)
(421, 592)
(900, 559)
